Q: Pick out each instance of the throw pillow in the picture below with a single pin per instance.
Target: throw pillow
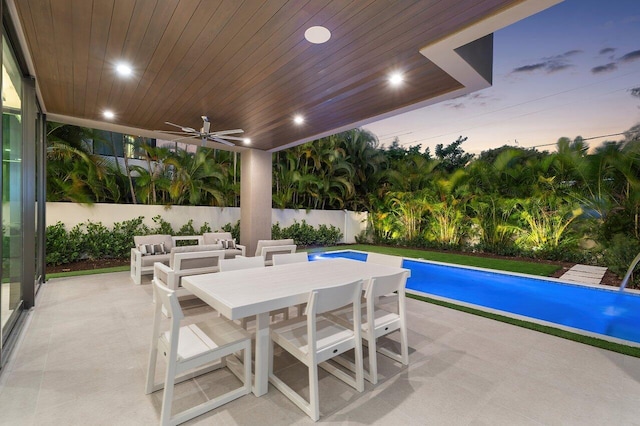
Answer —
(159, 249)
(228, 244)
(145, 249)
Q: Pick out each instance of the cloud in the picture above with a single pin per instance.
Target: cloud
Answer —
(461, 102)
(529, 68)
(550, 64)
(631, 56)
(607, 50)
(611, 66)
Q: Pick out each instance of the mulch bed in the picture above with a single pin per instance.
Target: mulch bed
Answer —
(609, 277)
(85, 265)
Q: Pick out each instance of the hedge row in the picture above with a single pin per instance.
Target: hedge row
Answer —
(92, 240)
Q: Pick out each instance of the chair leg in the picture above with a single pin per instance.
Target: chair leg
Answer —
(314, 399)
(247, 368)
(167, 397)
(373, 356)
(151, 368)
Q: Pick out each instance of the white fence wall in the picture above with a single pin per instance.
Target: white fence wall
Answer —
(71, 214)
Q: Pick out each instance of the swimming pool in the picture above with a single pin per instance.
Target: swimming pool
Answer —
(607, 314)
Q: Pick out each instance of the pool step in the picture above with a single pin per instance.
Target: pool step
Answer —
(585, 274)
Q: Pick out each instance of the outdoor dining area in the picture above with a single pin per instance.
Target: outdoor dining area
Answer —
(330, 321)
(94, 352)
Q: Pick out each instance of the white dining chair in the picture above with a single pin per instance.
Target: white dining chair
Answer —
(385, 259)
(240, 262)
(388, 260)
(191, 346)
(377, 322)
(287, 258)
(314, 339)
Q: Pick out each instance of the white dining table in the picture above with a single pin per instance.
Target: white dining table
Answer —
(257, 291)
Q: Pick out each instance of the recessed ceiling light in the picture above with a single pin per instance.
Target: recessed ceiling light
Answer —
(247, 141)
(396, 78)
(109, 115)
(123, 69)
(317, 35)
(298, 119)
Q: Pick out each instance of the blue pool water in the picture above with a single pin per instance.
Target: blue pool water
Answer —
(606, 312)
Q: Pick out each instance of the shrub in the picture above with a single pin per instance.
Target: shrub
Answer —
(61, 246)
(620, 253)
(234, 229)
(97, 241)
(162, 226)
(306, 235)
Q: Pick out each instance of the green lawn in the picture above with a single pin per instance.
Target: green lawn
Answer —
(520, 266)
(88, 272)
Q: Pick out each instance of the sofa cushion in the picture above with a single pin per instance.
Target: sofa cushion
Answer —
(193, 263)
(151, 259)
(272, 243)
(231, 253)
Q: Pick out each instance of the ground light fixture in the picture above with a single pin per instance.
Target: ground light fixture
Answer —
(298, 119)
(317, 35)
(108, 114)
(396, 78)
(123, 69)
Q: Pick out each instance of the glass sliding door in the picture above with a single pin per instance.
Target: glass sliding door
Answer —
(11, 296)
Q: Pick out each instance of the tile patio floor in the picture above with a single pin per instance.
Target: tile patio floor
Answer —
(82, 361)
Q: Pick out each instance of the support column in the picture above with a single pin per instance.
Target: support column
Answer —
(255, 198)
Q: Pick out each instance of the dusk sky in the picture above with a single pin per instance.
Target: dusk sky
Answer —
(567, 71)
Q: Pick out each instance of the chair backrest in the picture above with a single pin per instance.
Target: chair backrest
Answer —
(166, 297)
(269, 252)
(197, 263)
(154, 240)
(214, 237)
(379, 286)
(272, 243)
(283, 259)
(241, 263)
(385, 259)
(329, 298)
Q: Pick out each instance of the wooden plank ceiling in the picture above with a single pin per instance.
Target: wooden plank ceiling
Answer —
(245, 64)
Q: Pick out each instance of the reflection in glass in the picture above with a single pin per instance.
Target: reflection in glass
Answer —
(11, 294)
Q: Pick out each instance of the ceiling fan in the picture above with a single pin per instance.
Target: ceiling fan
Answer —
(204, 134)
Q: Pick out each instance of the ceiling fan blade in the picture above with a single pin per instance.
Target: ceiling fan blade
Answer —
(185, 137)
(172, 132)
(226, 132)
(222, 141)
(184, 129)
(234, 138)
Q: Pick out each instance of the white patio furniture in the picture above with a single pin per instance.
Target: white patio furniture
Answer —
(240, 262)
(150, 249)
(231, 248)
(192, 346)
(385, 259)
(269, 248)
(314, 339)
(185, 261)
(257, 291)
(286, 258)
(390, 260)
(283, 259)
(377, 321)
